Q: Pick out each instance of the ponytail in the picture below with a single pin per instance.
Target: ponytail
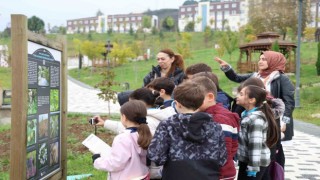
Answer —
(145, 136)
(273, 129)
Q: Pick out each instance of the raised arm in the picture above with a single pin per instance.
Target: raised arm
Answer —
(229, 72)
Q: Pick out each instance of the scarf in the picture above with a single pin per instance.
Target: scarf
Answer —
(276, 62)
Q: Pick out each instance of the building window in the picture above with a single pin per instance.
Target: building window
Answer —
(127, 19)
(189, 9)
(226, 13)
(97, 21)
(74, 22)
(218, 6)
(133, 18)
(109, 20)
(233, 12)
(196, 9)
(211, 7)
(226, 5)
(69, 23)
(86, 22)
(120, 19)
(234, 5)
(139, 18)
(182, 9)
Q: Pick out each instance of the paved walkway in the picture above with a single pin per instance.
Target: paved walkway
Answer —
(302, 153)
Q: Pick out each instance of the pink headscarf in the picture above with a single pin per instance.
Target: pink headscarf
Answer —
(276, 62)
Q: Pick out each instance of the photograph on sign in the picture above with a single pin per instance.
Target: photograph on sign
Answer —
(54, 153)
(43, 126)
(43, 76)
(31, 164)
(43, 155)
(54, 100)
(32, 101)
(54, 126)
(31, 131)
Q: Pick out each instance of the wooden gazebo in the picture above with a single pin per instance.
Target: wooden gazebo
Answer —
(264, 42)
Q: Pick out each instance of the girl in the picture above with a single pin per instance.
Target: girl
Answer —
(258, 132)
(128, 152)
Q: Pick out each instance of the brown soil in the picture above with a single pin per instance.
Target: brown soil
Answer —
(74, 130)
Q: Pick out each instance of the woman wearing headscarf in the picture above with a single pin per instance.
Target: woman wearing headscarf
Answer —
(271, 68)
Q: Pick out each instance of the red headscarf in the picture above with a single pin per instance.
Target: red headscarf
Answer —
(276, 62)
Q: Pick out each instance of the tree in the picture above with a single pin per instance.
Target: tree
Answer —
(229, 41)
(146, 22)
(131, 32)
(120, 53)
(99, 13)
(184, 45)
(36, 24)
(309, 33)
(318, 60)
(189, 27)
(282, 15)
(168, 23)
(207, 35)
(275, 46)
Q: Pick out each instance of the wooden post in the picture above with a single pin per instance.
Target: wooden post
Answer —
(19, 97)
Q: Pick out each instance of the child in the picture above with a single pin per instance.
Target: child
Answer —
(258, 132)
(165, 87)
(189, 144)
(228, 120)
(203, 69)
(154, 116)
(127, 159)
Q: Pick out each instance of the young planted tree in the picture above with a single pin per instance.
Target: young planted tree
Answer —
(229, 41)
(318, 60)
(207, 35)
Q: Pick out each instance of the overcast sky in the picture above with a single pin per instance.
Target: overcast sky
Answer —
(56, 12)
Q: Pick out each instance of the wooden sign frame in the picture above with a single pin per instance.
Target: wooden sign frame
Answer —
(21, 39)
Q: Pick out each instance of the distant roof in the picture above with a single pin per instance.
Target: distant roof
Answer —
(190, 2)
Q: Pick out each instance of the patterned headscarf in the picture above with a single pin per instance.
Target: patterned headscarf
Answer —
(276, 62)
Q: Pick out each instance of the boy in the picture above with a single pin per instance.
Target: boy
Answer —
(202, 68)
(165, 87)
(189, 144)
(228, 120)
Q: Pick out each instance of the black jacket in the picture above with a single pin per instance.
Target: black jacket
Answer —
(177, 76)
(189, 146)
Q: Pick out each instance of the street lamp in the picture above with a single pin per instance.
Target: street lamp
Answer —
(297, 93)
(108, 47)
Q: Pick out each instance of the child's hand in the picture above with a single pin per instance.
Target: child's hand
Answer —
(220, 61)
(99, 121)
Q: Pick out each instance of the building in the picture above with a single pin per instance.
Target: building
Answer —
(119, 22)
(217, 14)
(82, 25)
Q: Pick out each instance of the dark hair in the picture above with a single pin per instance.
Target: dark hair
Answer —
(146, 95)
(189, 94)
(196, 68)
(213, 77)
(251, 81)
(162, 83)
(135, 110)
(207, 83)
(260, 95)
(177, 63)
(123, 97)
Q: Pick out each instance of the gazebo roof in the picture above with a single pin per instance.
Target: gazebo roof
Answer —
(267, 39)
